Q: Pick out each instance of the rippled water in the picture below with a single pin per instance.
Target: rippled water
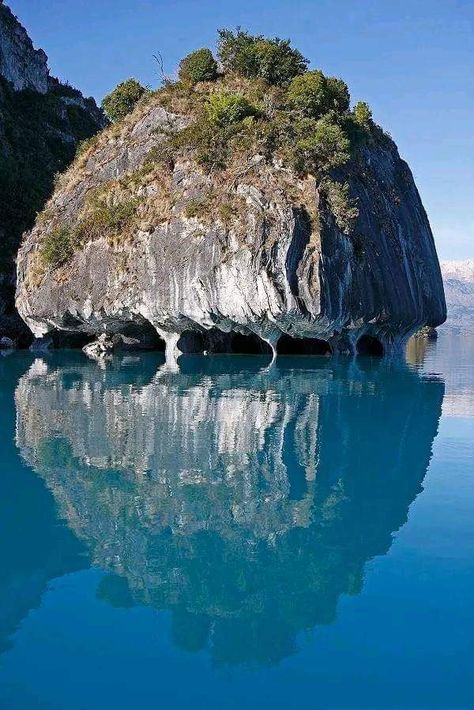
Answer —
(236, 535)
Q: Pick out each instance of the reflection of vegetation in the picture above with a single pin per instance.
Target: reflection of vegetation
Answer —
(256, 529)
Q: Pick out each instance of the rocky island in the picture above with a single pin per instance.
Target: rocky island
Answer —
(244, 207)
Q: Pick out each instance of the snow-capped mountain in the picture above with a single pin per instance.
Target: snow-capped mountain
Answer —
(458, 277)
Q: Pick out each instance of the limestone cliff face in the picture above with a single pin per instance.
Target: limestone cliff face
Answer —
(275, 270)
(41, 123)
(20, 64)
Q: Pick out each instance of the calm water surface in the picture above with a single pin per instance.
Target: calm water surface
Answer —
(237, 536)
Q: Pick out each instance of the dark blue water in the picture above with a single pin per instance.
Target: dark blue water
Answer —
(233, 535)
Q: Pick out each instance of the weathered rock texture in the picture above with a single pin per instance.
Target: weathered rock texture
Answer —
(20, 64)
(274, 271)
(41, 123)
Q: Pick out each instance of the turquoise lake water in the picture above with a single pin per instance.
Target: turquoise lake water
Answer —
(234, 535)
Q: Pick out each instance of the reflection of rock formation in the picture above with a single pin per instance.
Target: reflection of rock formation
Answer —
(34, 548)
(416, 349)
(246, 503)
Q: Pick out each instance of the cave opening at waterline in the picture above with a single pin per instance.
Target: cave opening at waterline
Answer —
(69, 339)
(191, 342)
(141, 336)
(369, 345)
(249, 345)
(287, 345)
(215, 341)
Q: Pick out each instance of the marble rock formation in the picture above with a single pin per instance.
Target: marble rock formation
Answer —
(277, 275)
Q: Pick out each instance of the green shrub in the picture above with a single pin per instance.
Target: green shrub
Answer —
(57, 247)
(362, 113)
(105, 220)
(254, 56)
(343, 208)
(196, 207)
(313, 94)
(123, 99)
(209, 142)
(198, 66)
(308, 94)
(38, 138)
(339, 98)
(320, 147)
(225, 109)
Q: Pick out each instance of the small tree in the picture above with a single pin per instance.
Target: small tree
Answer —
(362, 113)
(224, 108)
(198, 66)
(342, 206)
(256, 57)
(123, 99)
(308, 94)
(321, 146)
(339, 98)
(313, 94)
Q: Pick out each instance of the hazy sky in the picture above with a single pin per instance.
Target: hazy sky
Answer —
(412, 60)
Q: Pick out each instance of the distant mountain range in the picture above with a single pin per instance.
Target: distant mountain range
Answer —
(458, 277)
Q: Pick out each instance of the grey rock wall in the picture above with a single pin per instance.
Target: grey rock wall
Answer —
(20, 63)
(274, 274)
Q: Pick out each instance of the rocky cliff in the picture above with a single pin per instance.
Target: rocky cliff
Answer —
(253, 233)
(41, 123)
(20, 63)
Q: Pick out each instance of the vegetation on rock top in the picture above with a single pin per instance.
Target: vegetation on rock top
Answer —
(123, 99)
(257, 105)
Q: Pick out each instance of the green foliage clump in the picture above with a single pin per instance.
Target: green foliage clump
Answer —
(208, 141)
(342, 207)
(123, 99)
(362, 113)
(107, 220)
(339, 97)
(101, 220)
(264, 106)
(57, 247)
(195, 207)
(312, 94)
(256, 57)
(268, 104)
(198, 66)
(225, 108)
(38, 138)
(320, 146)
